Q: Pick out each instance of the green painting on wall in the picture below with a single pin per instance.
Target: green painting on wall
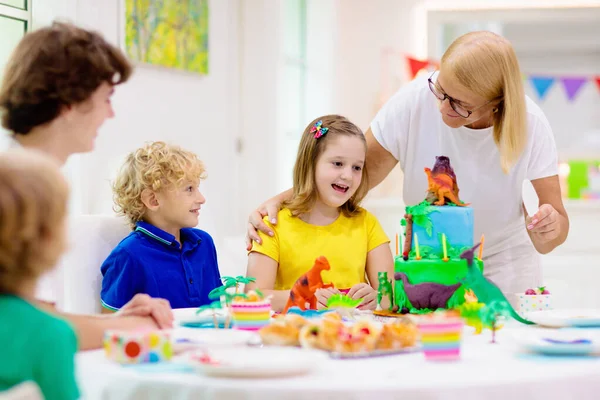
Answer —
(168, 33)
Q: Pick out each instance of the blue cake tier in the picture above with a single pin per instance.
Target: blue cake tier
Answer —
(430, 222)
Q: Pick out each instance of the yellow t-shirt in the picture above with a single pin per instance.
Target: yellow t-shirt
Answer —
(345, 243)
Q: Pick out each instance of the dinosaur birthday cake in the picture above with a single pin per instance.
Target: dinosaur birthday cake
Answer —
(437, 249)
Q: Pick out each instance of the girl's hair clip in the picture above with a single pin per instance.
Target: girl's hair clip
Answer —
(319, 130)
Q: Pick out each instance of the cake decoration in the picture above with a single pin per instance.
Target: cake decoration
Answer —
(442, 183)
(485, 290)
(245, 311)
(303, 290)
(384, 290)
(213, 307)
(427, 295)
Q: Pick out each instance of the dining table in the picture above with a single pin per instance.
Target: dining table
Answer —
(503, 368)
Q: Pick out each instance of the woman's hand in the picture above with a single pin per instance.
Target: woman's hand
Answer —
(323, 296)
(269, 208)
(545, 224)
(367, 293)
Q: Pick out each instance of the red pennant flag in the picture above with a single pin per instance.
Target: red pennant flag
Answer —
(415, 65)
(598, 82)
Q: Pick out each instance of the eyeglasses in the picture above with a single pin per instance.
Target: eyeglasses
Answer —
(441, 96)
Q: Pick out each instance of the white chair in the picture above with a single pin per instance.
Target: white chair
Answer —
(92, 238)
(23, 391)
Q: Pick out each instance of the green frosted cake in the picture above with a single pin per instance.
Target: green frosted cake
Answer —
(438, 242)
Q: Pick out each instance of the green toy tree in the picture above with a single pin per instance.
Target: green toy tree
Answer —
(215, 305)
(493, 314)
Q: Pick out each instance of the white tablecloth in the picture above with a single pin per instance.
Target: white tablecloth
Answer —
(486, 371)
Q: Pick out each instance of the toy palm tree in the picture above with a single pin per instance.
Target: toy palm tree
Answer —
(215, 305)
(243, 280)
(492, 314)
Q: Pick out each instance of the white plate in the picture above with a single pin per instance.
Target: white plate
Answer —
(214, 337)
(576, 318)
(563, 342)
(251, 362)
(189, 314)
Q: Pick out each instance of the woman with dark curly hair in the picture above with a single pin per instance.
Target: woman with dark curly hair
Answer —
(54, 97)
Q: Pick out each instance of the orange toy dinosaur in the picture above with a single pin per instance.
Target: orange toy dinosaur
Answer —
(442, 183)
(305, 287)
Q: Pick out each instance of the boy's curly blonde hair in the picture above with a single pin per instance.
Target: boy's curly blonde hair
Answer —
(33, 211)
(156, 166)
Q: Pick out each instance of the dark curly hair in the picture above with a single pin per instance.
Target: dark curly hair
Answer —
(53, 67)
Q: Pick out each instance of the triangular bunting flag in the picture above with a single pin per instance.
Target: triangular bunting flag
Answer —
(542, 84)
(415, 65)
(598, 82)
(572, 86)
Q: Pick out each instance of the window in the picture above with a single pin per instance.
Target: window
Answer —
(14, 21)
(293, 111)
(308, 75)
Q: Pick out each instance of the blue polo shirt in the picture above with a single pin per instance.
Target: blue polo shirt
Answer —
(150, 260)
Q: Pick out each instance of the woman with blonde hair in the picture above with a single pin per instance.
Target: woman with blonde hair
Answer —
(474, 111)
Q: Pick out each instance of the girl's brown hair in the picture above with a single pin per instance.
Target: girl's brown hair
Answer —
(310, 149)
(54, 67)
(486, 64)
(33, 209)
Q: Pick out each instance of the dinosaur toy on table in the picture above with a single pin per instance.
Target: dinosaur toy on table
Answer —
(442, 183)
(305, 287)
(486, 291)
(384, 289)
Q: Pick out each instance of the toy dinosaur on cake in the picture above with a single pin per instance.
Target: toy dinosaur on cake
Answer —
(442, 183)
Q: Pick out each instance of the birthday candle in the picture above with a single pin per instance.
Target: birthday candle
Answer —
(481, 247)
(417, 247)
(397, 244)
(444, 247)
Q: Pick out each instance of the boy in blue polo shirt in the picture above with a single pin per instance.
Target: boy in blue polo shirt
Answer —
(157, 189)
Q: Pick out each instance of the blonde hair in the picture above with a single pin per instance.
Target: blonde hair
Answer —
(157, 166)
(33, 209)
(309, 151)
(486, 64)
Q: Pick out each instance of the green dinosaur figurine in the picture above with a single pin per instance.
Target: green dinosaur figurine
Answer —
(486, 291)
(476, 314)
(384, 289)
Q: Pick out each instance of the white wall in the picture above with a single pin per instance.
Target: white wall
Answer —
(197, 112)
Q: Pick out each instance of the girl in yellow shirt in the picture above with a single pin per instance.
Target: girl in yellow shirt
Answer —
(323, 218)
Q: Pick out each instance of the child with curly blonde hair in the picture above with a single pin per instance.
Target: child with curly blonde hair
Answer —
(33, 211)
(157, 189)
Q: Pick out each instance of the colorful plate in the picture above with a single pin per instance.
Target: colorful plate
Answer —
(568, 342)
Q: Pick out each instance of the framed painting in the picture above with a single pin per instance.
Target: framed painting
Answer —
(167, 33)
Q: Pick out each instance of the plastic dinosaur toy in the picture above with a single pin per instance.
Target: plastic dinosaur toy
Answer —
(384, 289)
(428, 294)
(442, 183)
(486, 291)
(305, 287)
(470, 311)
